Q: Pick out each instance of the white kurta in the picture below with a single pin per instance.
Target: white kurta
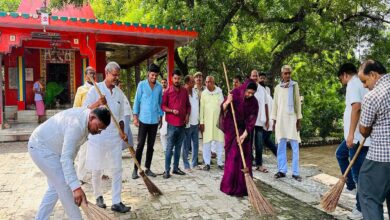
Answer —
(63, 134)
(285, 126)
(105, 149)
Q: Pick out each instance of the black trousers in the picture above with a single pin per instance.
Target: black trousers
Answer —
(146, 131)
(262, 137)
(374, 188)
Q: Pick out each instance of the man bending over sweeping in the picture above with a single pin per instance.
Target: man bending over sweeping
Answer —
(53, 146)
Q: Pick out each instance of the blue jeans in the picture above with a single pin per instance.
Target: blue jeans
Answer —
(175, 137)
(191, 135)
(282, 156)
(342, 156)
(353, 176)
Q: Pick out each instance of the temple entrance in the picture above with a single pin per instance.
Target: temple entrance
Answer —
(57, 77)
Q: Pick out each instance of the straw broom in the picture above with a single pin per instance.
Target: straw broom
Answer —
(331, 198)
(93, 212)
(258, 201)
(153, 189)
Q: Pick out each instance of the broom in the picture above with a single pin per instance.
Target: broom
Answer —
(258, 201)
(153, 189)
(93, 212)
(331, 198)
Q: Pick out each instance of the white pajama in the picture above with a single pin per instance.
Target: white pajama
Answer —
(207, 152)
(105, 149)
(49, 163)
(116, 182)
(53, 146)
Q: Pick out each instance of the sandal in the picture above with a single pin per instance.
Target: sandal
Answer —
(262, 169)
(279, 175)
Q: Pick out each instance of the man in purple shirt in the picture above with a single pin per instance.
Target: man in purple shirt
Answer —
(176, 105)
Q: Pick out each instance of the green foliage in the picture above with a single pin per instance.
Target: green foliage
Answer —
(314, 36)
(52, 90)
(9, 5)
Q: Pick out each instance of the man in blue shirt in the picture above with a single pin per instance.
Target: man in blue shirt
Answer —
(147, 116)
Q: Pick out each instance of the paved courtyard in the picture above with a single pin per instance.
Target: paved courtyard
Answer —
(193, 196)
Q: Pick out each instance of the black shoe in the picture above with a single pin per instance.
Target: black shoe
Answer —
(220, 167)
(135, 174)
(120, 207)
(166, 175)
(150, 173)
(297, 178)
(178, 172)
(100, 202)
(206, 167)
(279, 175)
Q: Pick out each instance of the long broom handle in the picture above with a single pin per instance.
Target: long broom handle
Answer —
(117, 126)
(234, 120)
(354, 158)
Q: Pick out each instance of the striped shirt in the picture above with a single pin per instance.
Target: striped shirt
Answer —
(376, 114)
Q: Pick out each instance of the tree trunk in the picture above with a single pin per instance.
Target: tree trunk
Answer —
(137, 74)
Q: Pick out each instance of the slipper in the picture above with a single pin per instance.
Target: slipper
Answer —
(263, 170)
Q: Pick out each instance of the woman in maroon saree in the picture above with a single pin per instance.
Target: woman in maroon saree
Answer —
(246, 109)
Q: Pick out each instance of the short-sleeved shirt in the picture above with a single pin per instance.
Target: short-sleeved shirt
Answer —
(376, 114)
(355, 94)
(37, 97)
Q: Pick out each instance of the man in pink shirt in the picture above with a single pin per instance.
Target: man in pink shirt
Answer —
(176, 105)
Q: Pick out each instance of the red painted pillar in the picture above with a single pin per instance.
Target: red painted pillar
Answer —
(1, 92)
(171, 61)
(91, 42)
(88, 48)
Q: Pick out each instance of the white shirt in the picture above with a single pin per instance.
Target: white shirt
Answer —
(261, 96)
(116, 103)
(194, 102)
(127, 111)
(63, 134)
(355, 94)
(270, 121)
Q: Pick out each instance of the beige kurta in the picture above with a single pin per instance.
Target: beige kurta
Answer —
(210, 107)
(285, 126)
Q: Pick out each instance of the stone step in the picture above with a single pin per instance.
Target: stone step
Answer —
(28, 116)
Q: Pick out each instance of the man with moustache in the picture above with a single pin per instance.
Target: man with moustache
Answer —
(177, 108)
(147, 116)
(287, 115)
(210, 108)
(105, 150)
(374, 178)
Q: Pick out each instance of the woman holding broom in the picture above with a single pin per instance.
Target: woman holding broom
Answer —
(246, 109)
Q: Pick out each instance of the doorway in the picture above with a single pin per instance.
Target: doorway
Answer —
(59, 73)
